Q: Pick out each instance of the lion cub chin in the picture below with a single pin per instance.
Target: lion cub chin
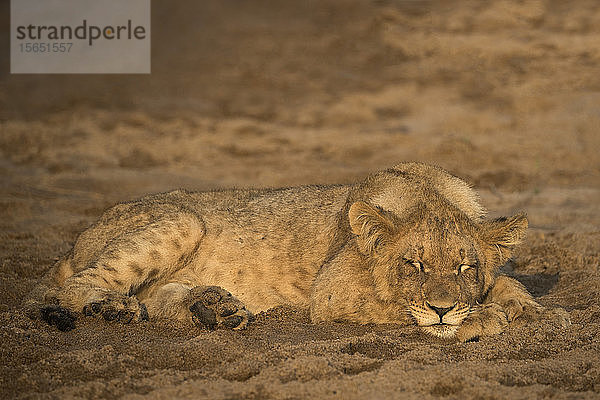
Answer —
(407, 245)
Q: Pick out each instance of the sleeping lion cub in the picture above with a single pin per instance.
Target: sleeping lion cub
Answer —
(406, 245)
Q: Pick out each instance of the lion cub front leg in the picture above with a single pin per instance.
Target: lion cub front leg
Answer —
(210, 307)
(507, 302)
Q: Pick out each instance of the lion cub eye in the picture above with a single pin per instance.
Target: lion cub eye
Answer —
(463, 267)
(418, 265)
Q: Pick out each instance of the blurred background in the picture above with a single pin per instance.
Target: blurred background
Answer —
(257, 93)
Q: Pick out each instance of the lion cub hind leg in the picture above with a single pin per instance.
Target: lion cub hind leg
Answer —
(134, 260)
(209, 307)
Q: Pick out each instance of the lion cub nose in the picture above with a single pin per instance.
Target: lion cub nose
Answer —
(441, 311)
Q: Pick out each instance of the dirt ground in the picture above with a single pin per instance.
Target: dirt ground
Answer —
(505, 94)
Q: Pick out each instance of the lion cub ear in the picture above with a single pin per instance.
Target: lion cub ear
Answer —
(372, 227)
(503, 234)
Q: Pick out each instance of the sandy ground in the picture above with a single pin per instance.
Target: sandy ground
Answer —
(505, 94)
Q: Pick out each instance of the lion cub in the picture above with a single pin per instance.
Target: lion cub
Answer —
(406, 245)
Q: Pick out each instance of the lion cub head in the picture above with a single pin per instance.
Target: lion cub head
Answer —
(433, 256)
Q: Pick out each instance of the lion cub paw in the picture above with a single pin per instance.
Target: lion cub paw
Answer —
(490, 319)
(58, 316)
(557, 316)
(117, 308)
(213, 307)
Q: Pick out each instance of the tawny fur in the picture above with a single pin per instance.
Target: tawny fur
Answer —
(407, 245)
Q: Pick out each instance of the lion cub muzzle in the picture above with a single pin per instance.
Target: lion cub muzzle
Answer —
(439, 311)
(439, 321)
